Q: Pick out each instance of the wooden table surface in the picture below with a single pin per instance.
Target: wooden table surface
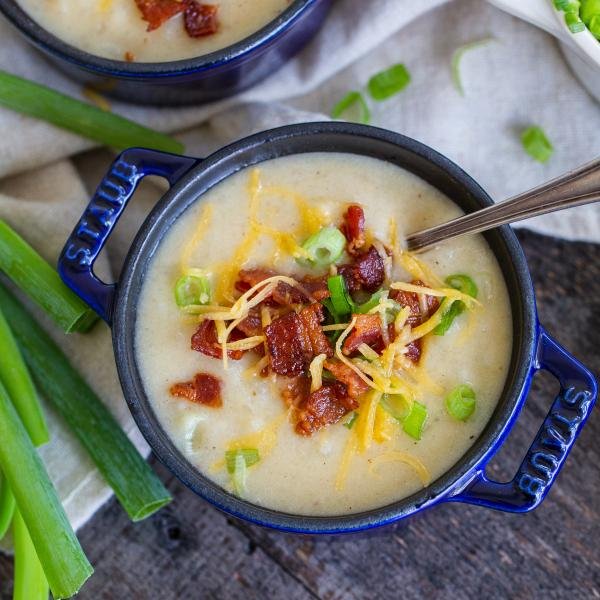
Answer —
(190, 550)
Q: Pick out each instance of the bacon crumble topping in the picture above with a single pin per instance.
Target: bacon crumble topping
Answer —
(199, 19)
(295, 335)
(324, 407)
(203, 389)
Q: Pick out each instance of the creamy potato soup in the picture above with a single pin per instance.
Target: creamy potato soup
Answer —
(356, 373)
(152, 30)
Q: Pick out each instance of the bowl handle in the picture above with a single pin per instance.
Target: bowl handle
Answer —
(552, 444)
(86, 241)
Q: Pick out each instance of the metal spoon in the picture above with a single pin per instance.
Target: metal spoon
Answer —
(581, 186)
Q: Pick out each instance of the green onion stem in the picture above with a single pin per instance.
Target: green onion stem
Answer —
(324, 247)
(64, 562)
(340, 298)
(35, 100)
(17, 381)
(30, 581)
(41, 282)
(136, 486)
(7, 506)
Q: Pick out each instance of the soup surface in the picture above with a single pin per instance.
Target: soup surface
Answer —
(265, 442)
(117, 29)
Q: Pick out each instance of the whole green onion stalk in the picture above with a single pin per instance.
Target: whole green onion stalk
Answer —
(64, 562)
(136, 486)
(17, 381)
(35, 100)
(41, 282)
(30, 580)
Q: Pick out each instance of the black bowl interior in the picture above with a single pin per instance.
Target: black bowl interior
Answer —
(120, 68)
(322, 137)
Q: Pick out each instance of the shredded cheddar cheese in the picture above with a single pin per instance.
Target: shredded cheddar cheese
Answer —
(316, 372)
(203, 224)
(403, 457)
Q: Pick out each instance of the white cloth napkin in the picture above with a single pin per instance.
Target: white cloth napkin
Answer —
(517, 80)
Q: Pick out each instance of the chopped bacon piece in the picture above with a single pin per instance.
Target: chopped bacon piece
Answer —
(297, 391)
(203, 389)
(354, 384)
(156, 12)
(354, 228)
(205, 341)
(414, 350)
(287, 345)
(411, 299)
(200, 19)
(294, 339)
(251, 325)
(312, 316)
(284, 294)
(367, 330)
(367, 272)
(323, 407)
(316, 287)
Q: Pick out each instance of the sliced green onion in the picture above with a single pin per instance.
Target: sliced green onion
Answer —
(64, 562)
(387, 83)
(340, 298)
(457, 58)
(136, 486)
(17, 381)
(238, 475)
(41, 282)
(589, 9)
(349, 424)
(7, 506)
(371, 303)
(414, 422)
(536, 144)
(324, 247)
(352, 107)
(460, 402)
(30, 581)
(192, 289)
(561, 4)
(396, 405)
(594, 26)
(464, 284)
(250, 456)
(456, 308)
(574, 23)
(35, 100)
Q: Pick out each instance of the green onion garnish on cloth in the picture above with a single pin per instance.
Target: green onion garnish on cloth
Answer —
(35, 100)
(29, 271)
(387, 83)
(457, 57)
(536, 143)
(65, 565)
(137, 488)
(352, 107)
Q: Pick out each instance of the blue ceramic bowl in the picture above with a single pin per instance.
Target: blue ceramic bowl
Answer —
(190, 81)
(533, 349)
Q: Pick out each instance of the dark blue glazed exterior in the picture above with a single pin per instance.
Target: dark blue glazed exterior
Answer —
(533, 349)
(191, 81)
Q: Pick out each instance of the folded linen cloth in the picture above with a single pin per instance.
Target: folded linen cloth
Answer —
(516, 80)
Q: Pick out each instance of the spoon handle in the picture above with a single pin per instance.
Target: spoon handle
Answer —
(581, 186)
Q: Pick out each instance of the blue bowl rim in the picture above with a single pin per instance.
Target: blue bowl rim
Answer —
(120, 68)
(177, 200)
